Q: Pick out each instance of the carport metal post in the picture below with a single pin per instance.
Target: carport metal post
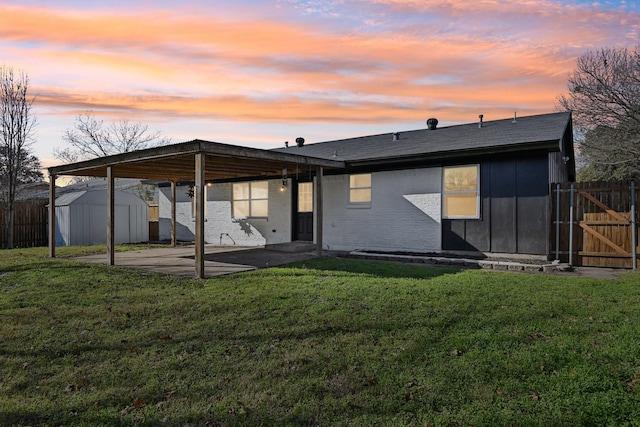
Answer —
(198, 193)
(319, 216)
(110, 217)
(52, 216)
(174, 226)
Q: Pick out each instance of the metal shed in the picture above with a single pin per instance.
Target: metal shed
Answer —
(81, 217)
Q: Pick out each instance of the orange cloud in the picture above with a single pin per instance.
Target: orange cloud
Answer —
(458, 60)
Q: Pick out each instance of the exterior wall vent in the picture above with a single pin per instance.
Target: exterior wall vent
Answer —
(432, 123)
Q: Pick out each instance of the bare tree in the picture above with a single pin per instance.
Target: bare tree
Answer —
(17, 124)
(604, 96)
(90, 138)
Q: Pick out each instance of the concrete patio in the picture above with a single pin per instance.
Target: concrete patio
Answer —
(222, 260)
(218, 260)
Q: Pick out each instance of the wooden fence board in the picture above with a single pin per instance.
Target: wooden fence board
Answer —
(30, 224)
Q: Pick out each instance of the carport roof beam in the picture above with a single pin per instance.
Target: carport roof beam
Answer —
(177, 162)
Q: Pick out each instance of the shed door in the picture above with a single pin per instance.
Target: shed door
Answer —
(303, 217)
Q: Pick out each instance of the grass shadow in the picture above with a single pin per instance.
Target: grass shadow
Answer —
(386, 269)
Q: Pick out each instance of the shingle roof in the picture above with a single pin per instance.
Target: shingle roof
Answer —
(497, 135)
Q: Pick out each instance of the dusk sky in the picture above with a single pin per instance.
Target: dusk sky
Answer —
(258, 73)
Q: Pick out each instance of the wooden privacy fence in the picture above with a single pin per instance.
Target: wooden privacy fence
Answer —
(30, 224)
(595, 224)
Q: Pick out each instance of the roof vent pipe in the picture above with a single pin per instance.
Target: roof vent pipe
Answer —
(481, 116)
(432, 123)
(299, 141)
(396, 136)
(515, 117)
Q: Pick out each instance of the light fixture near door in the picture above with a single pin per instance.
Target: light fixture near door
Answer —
(285, 181)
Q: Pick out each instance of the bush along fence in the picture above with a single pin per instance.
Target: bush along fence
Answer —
(595, 224)
(30, 224)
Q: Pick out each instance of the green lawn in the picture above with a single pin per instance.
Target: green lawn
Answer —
(324, 343)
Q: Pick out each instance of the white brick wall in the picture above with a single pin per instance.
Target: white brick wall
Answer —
(404, 214)
(220, 227)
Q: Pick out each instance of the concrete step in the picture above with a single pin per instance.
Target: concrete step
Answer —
(488, 264)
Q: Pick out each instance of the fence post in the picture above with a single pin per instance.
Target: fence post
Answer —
(571, 225)
(558, 222)
(634, 231)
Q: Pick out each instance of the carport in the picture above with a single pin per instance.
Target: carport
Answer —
(198, 161)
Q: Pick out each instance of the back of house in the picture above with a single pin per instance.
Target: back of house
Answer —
(477, 187)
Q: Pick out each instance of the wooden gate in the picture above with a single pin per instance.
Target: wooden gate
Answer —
(604, 229)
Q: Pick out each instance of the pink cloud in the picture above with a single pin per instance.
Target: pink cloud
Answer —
(405, 61)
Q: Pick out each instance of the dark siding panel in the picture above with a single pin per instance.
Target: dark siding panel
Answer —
(477, 235)
(557, 168)
(514, 209)
(464, 235)
(478, 230)
(533, 199)
(503, 207)
(453, 236)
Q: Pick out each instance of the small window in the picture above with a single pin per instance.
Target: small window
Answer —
(251, 199)
(360, 188)
(461, 191)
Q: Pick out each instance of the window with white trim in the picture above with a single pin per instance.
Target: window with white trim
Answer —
(461, 192)
(360, 189)
(251, 199)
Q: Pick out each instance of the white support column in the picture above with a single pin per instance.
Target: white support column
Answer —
(110, 216)
(52, 216)
(198, 193)
(319, 216)
(174, 225)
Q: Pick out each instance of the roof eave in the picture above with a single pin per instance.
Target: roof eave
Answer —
(551, 145)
